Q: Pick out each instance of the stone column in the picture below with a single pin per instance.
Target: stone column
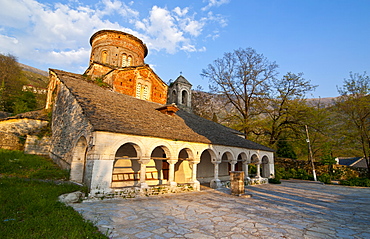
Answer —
(245, 169)
(232, 164)
(216, 182)
(258, 170)
(143, 162)
(171, 174)
(194, 181)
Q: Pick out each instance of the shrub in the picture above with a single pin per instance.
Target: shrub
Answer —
(274, 180)
(361, 182)
(325, 178)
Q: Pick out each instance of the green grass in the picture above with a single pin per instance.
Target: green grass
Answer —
(30, 207)
(18, 164)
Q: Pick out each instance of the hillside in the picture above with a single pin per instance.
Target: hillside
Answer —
(34, 76)
(33, 69)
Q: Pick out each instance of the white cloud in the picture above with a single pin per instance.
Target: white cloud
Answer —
(58, 34)
(181, 12)
(214, 3)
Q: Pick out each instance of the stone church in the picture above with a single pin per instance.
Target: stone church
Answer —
(119, 125)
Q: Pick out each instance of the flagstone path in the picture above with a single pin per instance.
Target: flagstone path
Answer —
(293, 209)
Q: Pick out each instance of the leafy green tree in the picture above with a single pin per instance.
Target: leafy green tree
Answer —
(284, 109)
(243, 77)
(25, 102)
(353, 107)
(285, 150)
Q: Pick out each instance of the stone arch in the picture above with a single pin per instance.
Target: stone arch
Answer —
(241, 160)
(254, 161)
(79, 160)
(126, 168)
(184, 97)
(225, 165)
(159, 156)
(265, 170)
(135, 142)
(183, 169)
(205, 169)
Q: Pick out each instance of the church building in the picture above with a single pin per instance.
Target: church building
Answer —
(120, 125)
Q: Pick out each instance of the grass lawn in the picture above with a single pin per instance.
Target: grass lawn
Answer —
(29, 201)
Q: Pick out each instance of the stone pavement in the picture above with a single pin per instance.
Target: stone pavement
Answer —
(293, 209)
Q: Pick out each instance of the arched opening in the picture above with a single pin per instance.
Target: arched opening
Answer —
(242, 164)
(138, 90)
(126, 168)
(225, 167)
(124, 60)
(104, 57)
(205, 169)
(265, 171)
(161, 166)
(145, 92)
(239, 163)
(184, 97)
(79, 160)
(253, 166)
(129, 61)
(174, 97)
(183, 171)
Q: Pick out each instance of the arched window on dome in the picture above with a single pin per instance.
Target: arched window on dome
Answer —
(145, 92)
(104, 57)
(124, 60)
(129, 60)
(138, 90)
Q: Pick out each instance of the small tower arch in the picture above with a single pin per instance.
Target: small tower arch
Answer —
(180, 93)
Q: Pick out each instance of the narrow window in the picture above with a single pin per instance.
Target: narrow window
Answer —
(124, 60)
(104, 56)
(184, 98)
(145, 92)
(138, 90)
(129, 59)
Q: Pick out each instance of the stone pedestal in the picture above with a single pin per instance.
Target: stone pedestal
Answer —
(237, 183)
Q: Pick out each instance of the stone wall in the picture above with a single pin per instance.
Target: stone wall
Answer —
(36, 145)
(10, 141)
(68, 125)
(13, 132)
(22, 126)
(343, 172)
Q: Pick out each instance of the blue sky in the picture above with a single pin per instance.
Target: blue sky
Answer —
(324, 39)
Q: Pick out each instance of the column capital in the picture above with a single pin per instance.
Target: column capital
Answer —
(172, 161)
(144, 160)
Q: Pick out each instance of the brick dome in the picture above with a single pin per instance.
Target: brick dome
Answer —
(117, 48)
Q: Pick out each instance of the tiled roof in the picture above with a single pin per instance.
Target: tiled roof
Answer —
(113, 112)
(182, 79)
(358, 162)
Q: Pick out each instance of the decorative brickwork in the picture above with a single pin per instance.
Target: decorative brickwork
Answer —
(117, 58)
(115, 48)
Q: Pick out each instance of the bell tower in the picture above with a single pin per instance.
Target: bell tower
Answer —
(179, 92)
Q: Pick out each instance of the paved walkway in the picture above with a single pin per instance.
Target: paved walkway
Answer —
(293, 209)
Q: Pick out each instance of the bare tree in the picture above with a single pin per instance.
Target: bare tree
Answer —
(244, 77)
